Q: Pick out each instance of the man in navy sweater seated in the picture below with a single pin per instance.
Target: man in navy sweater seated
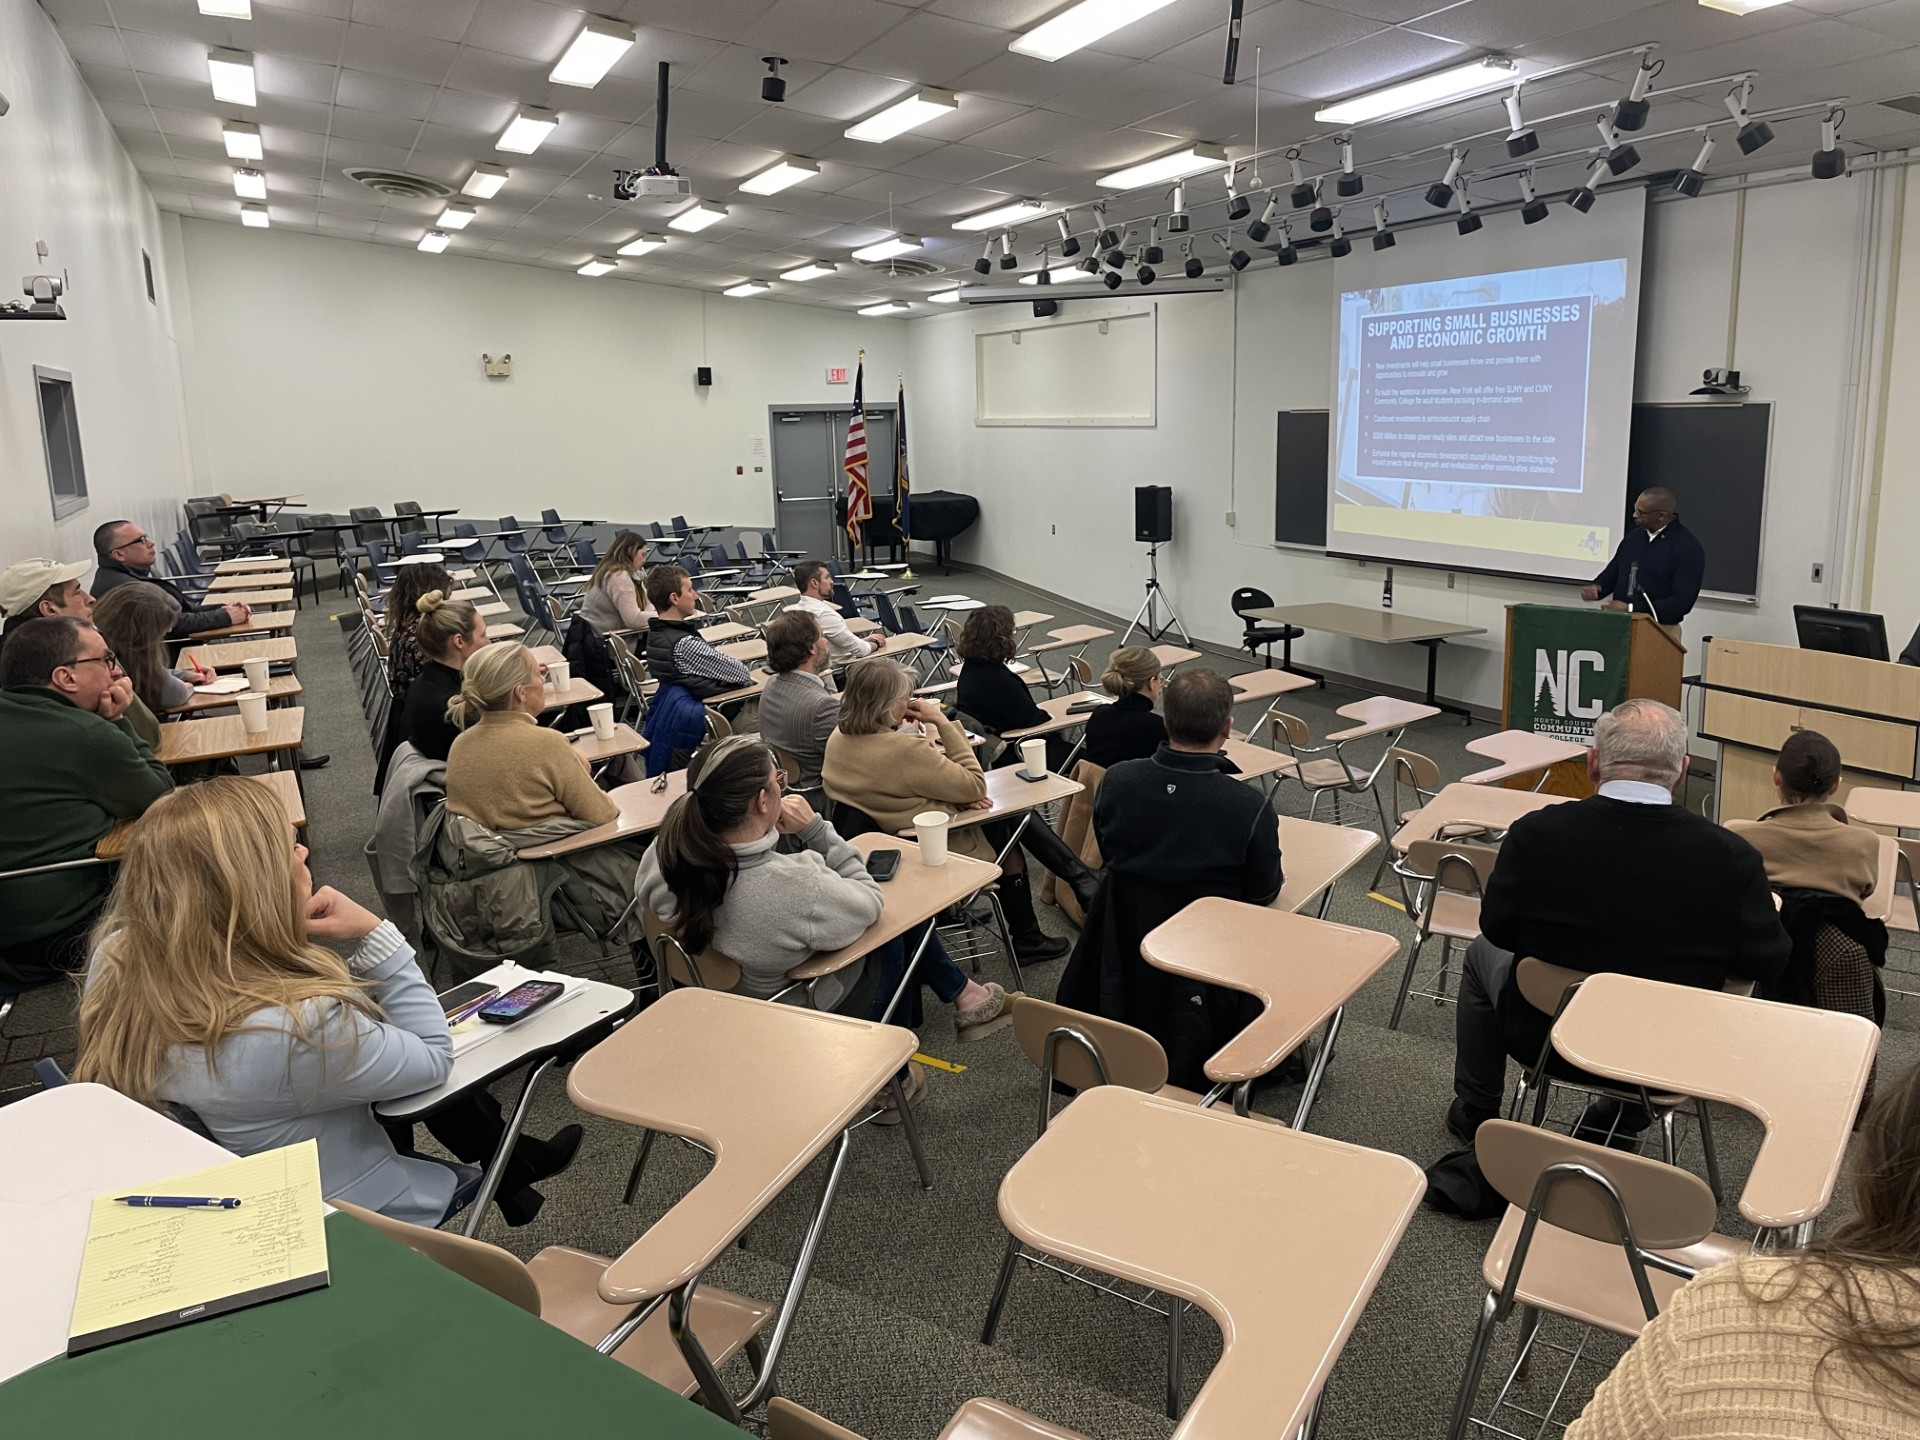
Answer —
(1627, 881)
(1658, 568)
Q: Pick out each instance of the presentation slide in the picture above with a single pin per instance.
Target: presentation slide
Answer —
(1481, 420)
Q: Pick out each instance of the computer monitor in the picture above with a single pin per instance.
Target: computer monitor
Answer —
(1843, 632)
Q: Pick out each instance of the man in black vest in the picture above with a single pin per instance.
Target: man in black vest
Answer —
(1658, 568)
(676, 653)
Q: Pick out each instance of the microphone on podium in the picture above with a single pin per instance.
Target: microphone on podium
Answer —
(1633, 583)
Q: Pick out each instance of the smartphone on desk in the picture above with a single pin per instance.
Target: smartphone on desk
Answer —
(521, 1001)
(461, 1001)
(882, 864)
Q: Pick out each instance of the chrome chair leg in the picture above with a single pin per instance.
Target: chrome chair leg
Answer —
(1707, 1149)
(1406, 984)
(639, 1164)
(1006, 940)
(999, 1302)
(1670, 1136)
(1530, 1318)
(1176, 1313)
(1476, 1362)
(912, 1127)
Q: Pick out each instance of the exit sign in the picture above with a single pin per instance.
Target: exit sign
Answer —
(836, 375)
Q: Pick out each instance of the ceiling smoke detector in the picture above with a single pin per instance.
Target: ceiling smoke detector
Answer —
(398, 182)
(904, 266)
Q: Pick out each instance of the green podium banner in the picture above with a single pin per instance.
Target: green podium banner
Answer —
(1567, 668)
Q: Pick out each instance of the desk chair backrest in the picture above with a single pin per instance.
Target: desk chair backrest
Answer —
(709, 970)
(1290, 732)
(851, 820)
(412, 522)
(788, 762)
(1416, 772)
(412, 542)
(367, 523)
(324, 542)
(555, 531)
(680, 524)
(1454, 865)
(487, 1266)
(1247, 598)
(1545, 987)
(1082, 1051)
(788, 1421)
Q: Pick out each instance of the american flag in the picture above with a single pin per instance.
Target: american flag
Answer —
(902, 492)
(859, 497)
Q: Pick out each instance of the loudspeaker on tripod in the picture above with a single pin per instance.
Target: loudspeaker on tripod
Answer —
(1153, 513)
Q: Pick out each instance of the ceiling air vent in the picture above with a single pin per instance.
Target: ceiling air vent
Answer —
(395, 182)
(904, 267)
(1908, 103)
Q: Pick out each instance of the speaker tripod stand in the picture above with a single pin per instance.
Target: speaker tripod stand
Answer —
(1148, 620)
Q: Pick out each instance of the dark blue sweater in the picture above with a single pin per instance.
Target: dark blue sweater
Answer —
(1667, 580)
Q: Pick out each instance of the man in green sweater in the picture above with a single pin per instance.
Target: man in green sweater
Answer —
(73, 768)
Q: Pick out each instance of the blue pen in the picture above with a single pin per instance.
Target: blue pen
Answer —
(182, 1202)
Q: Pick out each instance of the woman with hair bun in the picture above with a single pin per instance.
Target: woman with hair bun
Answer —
(1806, 840)
(1128, 729)
(448, 633)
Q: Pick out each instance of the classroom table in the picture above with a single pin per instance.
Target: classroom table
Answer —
(1520, 752)
(1057, 708)
(276, 650)
(1279, 1235)
(547, 655)
(1489, 807)
(1878, 805)
(1313, 858)
(723, 632)
(279, 688)
(1302, 970)
(768, 1088)
(1010, 795)
(255, 598)
(1171, 655)
(578, 691)
(642, 808)
(501, 630)
(259, 623)
(1069, 637)
(1256, 762)
(745, 651)
(247, 563)
(756, 682)
(226, 737)
(1798, 1070)
(557, 1033)
(900, 644)
(1886, 883)
(258, 579)
(1378, 627)
(625, 740)
(859, 624)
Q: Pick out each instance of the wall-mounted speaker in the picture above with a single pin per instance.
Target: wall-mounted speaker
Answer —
(703, 375)
(1153, 513)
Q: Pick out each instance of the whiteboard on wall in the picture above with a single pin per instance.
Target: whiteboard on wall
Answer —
(1096, 371)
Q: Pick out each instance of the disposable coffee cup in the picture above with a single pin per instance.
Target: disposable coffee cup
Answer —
(256, 675)
(930, 829)
(560, 674)
(1033, 757)
(253, 712)
(602, 717)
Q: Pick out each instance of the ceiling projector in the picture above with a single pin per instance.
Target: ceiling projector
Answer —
(641, 185)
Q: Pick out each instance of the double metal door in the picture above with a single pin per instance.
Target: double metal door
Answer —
(809, 453)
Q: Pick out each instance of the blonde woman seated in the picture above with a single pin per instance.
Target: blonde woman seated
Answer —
(1128, 729)
(717, 876)
(1781, 1347)
(210, 989)
(893, 774)
(524, 781)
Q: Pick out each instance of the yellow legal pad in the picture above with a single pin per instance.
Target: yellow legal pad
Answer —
(151, 1269)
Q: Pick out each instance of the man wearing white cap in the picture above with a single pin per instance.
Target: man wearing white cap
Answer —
(34, 588)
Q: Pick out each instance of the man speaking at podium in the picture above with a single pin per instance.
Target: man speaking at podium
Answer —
(1658, 567)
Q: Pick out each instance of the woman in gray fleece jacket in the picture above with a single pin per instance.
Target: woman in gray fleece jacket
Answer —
(715, 876)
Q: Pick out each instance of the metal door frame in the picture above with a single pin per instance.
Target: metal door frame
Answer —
(836, 434)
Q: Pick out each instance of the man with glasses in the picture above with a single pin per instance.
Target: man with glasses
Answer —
(74, 769)
(1658, 568)
(127, 554)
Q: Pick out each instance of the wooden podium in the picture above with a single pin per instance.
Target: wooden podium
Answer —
(1576, 663)
(1757, 695)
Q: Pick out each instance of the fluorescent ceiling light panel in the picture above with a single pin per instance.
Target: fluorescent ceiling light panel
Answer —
(456, 217)
(1082, 25)
(886, 249)
(641, 244)
(486, 182)
(812, 270)
(228, 9)
(697, 217)
(594, 51)
(1012, 213)
(1059, 272)
(903, 115)
(886, 307)
(787, 170)
(1494, 72)
(946, 297)
(434, 241)
(1164, 169)
(1741, 7)
(599, 265)
(254, 217)
(528, 131)
(242, 140)
(231, 74)
(747, 288)
(250, 184)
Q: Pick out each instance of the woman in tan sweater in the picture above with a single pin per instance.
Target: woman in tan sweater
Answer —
(1806, 840)
(1793, 1347)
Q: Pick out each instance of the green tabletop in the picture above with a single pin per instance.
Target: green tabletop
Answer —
(395, 1346)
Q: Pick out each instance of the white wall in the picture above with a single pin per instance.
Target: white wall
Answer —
(64, 179)
(1228, 363)
(1893, 578)
(350, 373)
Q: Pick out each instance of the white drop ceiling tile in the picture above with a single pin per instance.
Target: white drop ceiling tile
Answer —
(1041, 179)
(523, 27)
(398, 99)
(167, 17)
(351, 198)
(1900, 19)
(1283, 34)
(399, 54)
(344, 225)
(654, 43)
(1494, 23)
(717, 19)
(488, 72)
(163, 92)
(887, 156)
(587, 134)
(890, 185)
(976, 113)
(1380, 59)
(1023, 80)
(1015, 15)
(839, 208)
(847, 95)
(371, 128)
(128, 115)
(1681, 28)
(1035, 134)
(1131, 95)
(1110, 150)
(1172, 25)
(441, 19)
(295, 79)
(828, 31)
(1811, 46)
(940, 210)
(714, 117)
(77, 12)
(933, 49)
(1882, 77)
(298, 36)
(209, 149)
(293, 139)
(95, 46)
(957, 164)
(736, 71)
(173, 55)
(186, 122)
(485, 115)
(622, 100)
(1394, 12)
(113, 83)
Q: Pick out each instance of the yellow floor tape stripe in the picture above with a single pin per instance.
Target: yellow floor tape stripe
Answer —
(946, 1065)
(1386, 900)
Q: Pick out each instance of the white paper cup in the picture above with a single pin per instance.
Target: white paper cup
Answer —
(930, 829)
(1033, 757)
(602, 717)
(253, 712)
(560, 674)
(256, 675)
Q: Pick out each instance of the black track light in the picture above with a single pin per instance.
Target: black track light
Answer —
(1145, 275)
(1440, 193)
(1383, 238)
(1521, 139)
(1238, 206)
(1263, 227)
(773, 89)
(1177, 221)
(1008, 260)
(1320, 218)
(1043, 276)
(1115, 259)
(1153, 254)
(1340, 245)
(1830, 161)
(1044, 308)
(1303, 193)
(1286, 254)
(985, 263)
(1581, 198)
(1109, 238)
(1195, 266)
(1533, 209)
(1111, 279)
(1753, 133)
(1631, 113)
(1620, 157)
(1091, 265)
(1351, 181)
(1069, 242)
(1468, 221)
(1693, 179)
(1239, 259)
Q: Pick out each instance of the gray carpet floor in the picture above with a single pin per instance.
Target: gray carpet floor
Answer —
(886, 1342)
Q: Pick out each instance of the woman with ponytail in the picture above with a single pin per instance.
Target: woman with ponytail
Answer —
(448, 632)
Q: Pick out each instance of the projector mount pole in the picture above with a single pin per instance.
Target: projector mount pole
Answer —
(1148, 619)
